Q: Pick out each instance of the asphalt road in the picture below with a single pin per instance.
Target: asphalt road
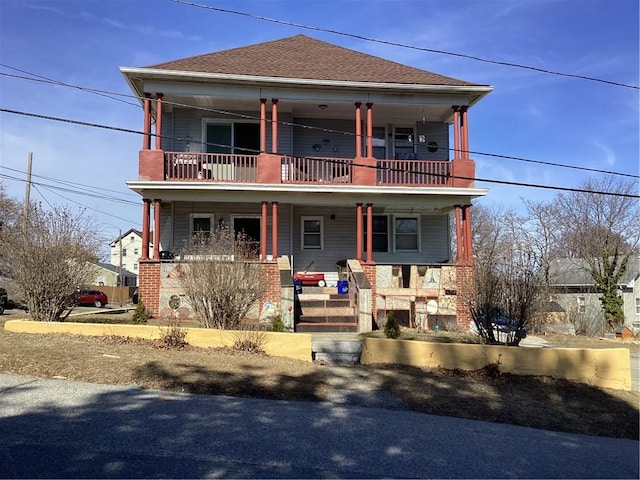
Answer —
(66, 429)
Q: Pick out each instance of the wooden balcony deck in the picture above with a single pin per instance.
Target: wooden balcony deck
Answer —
(216, 167)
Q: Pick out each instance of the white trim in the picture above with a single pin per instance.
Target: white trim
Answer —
(418, 237)
(302, 232)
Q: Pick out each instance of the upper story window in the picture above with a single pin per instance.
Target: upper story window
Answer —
(124, 252)
(637, 305)
(136, 252)
(312, 229)
(406, 232)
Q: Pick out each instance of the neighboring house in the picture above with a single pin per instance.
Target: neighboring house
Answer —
(329, 159)
(108, 275)
(574, 289)
(126, 251)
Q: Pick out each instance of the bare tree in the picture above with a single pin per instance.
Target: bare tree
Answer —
(508, 284)
(599, 229)
(219, 279)
(50, 258)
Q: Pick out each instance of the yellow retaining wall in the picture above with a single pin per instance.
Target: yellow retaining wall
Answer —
(291, 345)
(604, 368)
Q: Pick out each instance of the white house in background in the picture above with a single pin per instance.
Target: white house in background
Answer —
(126, 250)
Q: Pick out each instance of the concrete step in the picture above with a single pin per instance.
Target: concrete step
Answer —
(325, 303)
(328, 312)
(341, 352)
(321, 318)
(327, 327)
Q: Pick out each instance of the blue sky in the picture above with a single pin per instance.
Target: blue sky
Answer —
(532, 115)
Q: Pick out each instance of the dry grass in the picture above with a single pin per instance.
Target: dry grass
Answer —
(538, 402)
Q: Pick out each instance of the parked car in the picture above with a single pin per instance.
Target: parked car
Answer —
(91, 297)
(4, 299)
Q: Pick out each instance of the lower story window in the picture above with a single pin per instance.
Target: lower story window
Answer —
(201, 224)
(406, 234)
(312, 233)
(582, 305)
(379, 233)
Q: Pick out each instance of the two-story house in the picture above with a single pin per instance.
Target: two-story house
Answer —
(125, 252)
(328, 158)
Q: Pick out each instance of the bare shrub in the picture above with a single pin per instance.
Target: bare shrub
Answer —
(219, 278)
(250, 340)
(173, 336)
(48, 257)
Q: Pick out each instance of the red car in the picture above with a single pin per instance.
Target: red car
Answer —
(91, 297)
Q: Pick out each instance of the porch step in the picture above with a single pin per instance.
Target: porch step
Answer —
(328, 327)
(336, 351)
(325, 312)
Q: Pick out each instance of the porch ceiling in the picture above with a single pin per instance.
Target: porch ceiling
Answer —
(397, 199)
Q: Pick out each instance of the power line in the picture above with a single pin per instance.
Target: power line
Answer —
(412, 47)
(502, 182)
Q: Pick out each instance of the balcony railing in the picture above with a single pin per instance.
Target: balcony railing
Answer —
(221, 167)
(413, 172)
(316, 170)
(218, 167)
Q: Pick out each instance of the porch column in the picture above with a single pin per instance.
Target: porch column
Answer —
(274, 230)
(369, 130)
(146, 215)
(359, 231)
(464, 132)
(146, 137)
(156, 229)
(456, 132)
(159, 121)
(369, 233)
(459, 234)
(274, 125)
(263, 125)
(263, 232)
(358, 130)
(468, 248)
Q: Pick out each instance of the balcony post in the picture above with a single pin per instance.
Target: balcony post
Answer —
(468, 249)
(358, 130)
(159, 121)
(464, 132)
(263, 125)
(146, 137)
(456, 132)
(274, 125)
(369, 130)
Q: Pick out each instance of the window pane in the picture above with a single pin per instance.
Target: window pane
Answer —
(202, 224)
(380, 243)
(406, 225)
(312, 226)
(379, 224)
(312, 240)
(407, 242)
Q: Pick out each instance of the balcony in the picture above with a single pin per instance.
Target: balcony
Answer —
(284, 169)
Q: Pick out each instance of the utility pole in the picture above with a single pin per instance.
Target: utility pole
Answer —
(121, 279)
(27, 195)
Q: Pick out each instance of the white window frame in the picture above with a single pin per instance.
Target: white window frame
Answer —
(221, 121)
(302, 232)
(395, 233)
(194, 216)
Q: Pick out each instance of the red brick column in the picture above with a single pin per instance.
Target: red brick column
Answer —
(465, 286)
(149, 286)
(270, 273)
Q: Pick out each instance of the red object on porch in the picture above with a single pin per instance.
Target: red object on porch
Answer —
(309, 278)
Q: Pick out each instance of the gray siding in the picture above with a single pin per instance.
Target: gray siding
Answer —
(433, 132)
(332, 144)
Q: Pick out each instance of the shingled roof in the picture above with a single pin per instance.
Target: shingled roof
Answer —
(302, 57)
